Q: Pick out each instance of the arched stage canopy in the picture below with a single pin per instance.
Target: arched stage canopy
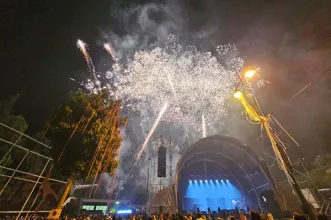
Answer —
(231, 157)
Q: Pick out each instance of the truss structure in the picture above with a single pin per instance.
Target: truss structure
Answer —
(24, 165)
(287, 197)
(156, 184)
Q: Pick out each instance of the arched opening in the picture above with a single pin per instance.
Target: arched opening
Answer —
(203, 166)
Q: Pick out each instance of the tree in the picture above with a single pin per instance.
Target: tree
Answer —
(319, 176)
(321, 161)
(85, 135)
(17, 122)
(7, 117)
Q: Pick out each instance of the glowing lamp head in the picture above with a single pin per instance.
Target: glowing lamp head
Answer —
(237, 94)
(249, 74)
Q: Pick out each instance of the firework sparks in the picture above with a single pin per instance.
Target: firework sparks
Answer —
(171, 85)
(83, 48)
(110, 50)
(204, 132)
(202, 85)
(193, 82)
(152, 130)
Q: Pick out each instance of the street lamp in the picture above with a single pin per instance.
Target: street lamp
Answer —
(249, 74)
(277, 145)
(237, 94)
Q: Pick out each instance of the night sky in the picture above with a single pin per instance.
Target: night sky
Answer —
(39, 54)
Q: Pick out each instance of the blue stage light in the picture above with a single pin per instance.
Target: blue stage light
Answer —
(195, 181)
(206, 181)
(216, 181)
(200, 181)
(124, 211)
(211, 181)
(222, 181)
(227, 180)
(190, 181)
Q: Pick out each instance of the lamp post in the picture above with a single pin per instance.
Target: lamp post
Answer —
(255, 115)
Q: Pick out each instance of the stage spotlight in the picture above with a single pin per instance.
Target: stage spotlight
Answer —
(206, 181)
(227, 180)
(200, 181)
(190, 181)
(195, 181)
(211, 181)
(222, 181)
(216, 181)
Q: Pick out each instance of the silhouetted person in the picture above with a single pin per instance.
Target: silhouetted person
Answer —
(254, 215)
(209, 210)
(297, 216)
(321, 216)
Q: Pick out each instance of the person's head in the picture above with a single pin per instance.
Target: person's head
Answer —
(232, 217)
(270, 216)
(254, 215)
(297, 216)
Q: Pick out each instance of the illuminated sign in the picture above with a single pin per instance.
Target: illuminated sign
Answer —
(124, 211)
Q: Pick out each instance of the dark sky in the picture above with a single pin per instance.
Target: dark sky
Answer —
(38, 50)
(289, 39)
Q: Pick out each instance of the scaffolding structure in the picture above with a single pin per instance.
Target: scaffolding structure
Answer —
(286, 196)
(156, 184)
(24, 165)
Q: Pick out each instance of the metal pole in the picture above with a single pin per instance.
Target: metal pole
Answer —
(30, 174)
(14, 173)
(26, 201)
(149, 163)
(327, 208)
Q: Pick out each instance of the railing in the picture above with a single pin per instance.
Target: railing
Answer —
(26, 160)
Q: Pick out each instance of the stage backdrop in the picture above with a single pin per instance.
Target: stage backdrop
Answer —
(211, 194)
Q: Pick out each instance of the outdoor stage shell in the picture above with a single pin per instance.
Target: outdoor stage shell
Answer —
(238, 159)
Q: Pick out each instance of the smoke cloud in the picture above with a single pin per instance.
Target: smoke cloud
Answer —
(279, 37)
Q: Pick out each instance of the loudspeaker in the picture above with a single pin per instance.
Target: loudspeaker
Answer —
(162, 162)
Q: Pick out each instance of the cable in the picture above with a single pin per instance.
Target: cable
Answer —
(309, 84)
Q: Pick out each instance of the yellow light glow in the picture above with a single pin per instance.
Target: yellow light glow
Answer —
(249, 74)
(237, 94)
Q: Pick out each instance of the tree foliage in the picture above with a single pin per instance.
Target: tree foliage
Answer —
(17, 122)
(85, 134)
(320, 178)
(321, 161)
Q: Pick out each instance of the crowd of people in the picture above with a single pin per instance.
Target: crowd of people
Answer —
(252, 215)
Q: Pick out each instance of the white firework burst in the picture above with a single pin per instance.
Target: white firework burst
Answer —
(194, 83)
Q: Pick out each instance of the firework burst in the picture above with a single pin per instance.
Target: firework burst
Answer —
(195, 83)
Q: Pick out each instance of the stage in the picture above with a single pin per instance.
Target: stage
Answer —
(221, 173)
(212, 193)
